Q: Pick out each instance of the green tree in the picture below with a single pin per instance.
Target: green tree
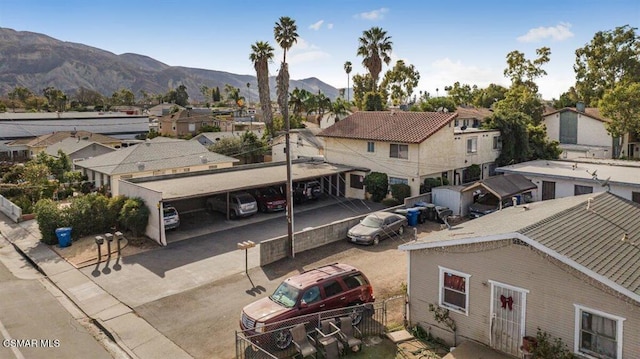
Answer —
(567, 99)
(461, 94)
(298, 101)
(377, 184)
(123, 97)
(374, 47)
(514, 136)
(521, 98)
(182, 97)
(20, 93)
(56, 98)
(252, 148)
(361, 85)
(523, 71)
(373, 101)
(400, 81)
(228, 146)
(261, 55)
(612, 57)
(539, 146)
(438, 104)
(286, 34)
(347, 68)
(49, 217)
(622, 106)
(339, 109)
(488, 96)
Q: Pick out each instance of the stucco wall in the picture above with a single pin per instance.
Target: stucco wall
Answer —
(278, 248)
(553, 290)
(152, 199)
(565, 187)
(591, 132)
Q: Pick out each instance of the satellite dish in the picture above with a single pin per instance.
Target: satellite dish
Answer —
(463, 128)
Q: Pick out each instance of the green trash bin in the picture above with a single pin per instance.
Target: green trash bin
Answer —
(64, 236)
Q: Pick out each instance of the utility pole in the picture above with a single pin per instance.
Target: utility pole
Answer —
(289, 187)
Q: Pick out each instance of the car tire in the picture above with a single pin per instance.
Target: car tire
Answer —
(282, 339)
(358, 314)
(376, 240)
(401, 230)
(233, 215)
(262, 208)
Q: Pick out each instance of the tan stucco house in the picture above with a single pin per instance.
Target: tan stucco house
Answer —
(569, 266)
(78, 149)
(411, 146)
(153, 158)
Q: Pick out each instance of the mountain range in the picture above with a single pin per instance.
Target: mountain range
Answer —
(36, 61)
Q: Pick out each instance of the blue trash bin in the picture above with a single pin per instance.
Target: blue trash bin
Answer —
(412, 216)
(64, 236)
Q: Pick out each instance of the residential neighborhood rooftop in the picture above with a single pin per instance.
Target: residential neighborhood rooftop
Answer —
(598, 234)
(389, 126)
(71, 145)
(592, 112)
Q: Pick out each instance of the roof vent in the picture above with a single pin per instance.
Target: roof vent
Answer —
(140, 166)
(147, 142)
(203, 159)
(580, 106)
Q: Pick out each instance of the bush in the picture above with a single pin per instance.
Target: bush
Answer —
(400, 191)
(113, 211)
(430, 183)
(134, 215)
(377, 184)
(24, 203)
(49, 217)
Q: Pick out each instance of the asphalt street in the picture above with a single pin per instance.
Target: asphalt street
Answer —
(34, 323)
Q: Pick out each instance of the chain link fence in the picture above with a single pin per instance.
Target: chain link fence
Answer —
(275, 341)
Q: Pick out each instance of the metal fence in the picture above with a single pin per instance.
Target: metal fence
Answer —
(374, 319)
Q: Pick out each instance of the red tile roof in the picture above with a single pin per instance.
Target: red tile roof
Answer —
(389, 126)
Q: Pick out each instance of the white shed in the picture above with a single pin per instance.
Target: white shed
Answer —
(452, 197)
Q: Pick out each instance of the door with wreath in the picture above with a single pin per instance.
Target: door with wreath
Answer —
(508, 308)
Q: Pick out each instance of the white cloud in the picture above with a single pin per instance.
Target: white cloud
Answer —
(316, 26)
(372, 15)
(329, 26)
(304, 52)
(556, 33)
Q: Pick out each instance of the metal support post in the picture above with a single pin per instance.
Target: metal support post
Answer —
(246, 245)
(99, 241)
(118, 235)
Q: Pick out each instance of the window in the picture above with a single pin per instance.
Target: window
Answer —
(192, 127)
(456, 122)
(578, 190)
(332, 288)
(312, 295)
(497, 143)
(356, 181)
(454, 289)
(399, 151)
(371, 146)
(598, 334)
(355, 281)
(396, 180)
(472, 145)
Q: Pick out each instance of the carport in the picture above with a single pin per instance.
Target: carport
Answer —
(504, 186)
(188, 191)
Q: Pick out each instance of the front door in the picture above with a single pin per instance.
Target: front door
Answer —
(508, 308)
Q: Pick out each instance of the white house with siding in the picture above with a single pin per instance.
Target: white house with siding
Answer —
(153, 158)
(412, 146)
(569, 266)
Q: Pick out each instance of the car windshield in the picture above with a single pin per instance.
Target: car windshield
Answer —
(169, 211)
(269, 191)
(489, 200)
(244, 198)
(372, 221)
(285, 295)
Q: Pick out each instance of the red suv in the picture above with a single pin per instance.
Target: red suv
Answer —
(269, 199)
(329, 287)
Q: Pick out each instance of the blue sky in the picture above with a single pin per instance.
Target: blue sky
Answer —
(446, 41)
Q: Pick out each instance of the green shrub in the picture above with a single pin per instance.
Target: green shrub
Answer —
(391, 202)
(400, 191)
(377, 184)
(49, 217)
(430, 183)
(24, 203)
(550, 348)
(113, 211)
(134, 215)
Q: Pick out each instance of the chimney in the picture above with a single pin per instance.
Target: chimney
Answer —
(580, 106)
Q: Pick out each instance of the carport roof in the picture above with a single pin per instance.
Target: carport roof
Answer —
(504, 186)
(200, 184)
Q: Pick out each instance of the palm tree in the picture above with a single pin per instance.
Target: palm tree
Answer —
(375, 47)
(285, 33)
(261, 55)
(248, 94)
(347, 69)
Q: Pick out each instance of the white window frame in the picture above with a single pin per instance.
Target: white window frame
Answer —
(442, 271)
(472, 145)
(399, 152)
(578, 327)
(497, 143)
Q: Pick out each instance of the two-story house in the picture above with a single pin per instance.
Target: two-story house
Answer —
(412, 146)
(184, 122)
(582, 132)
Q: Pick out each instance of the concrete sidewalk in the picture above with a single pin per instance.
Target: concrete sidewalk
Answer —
(132, 333)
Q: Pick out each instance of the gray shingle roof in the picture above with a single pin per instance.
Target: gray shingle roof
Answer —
(71, 145)
(389, 126)
(505, 186)
(158, 155)
(589, 239)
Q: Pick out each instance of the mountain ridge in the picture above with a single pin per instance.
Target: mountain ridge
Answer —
(36, 61)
